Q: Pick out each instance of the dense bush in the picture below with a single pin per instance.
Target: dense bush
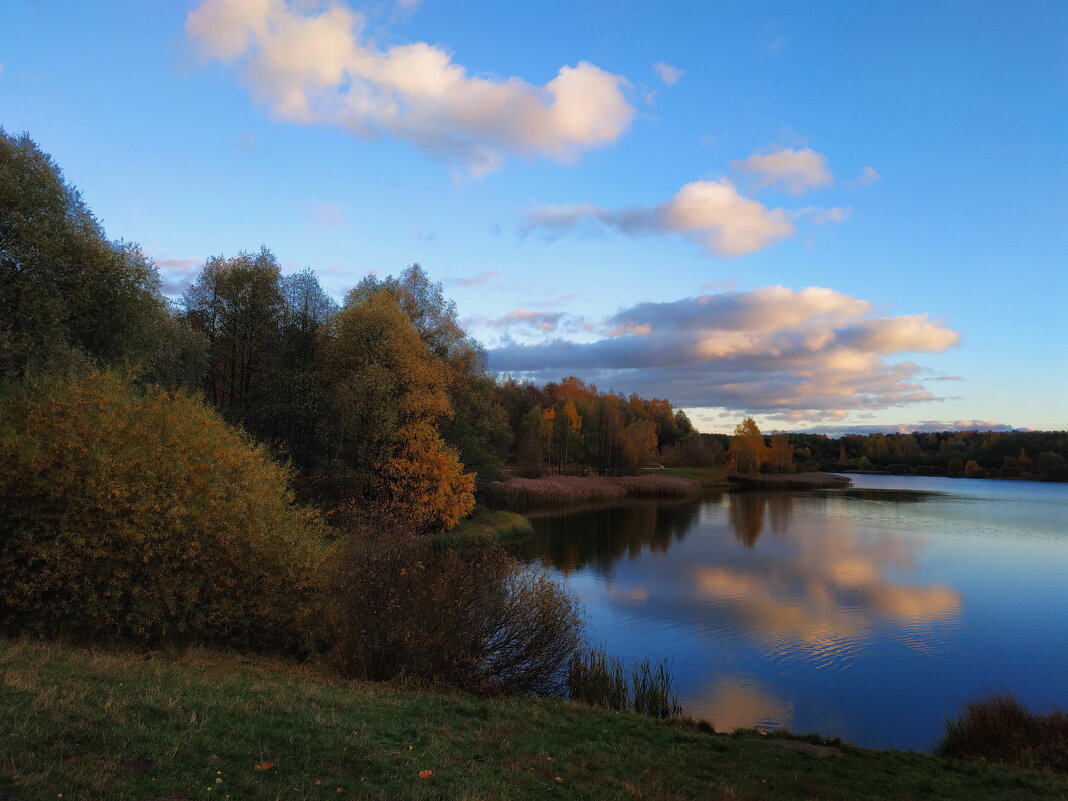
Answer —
(141, 514)
(1000, 729)
(475, 620)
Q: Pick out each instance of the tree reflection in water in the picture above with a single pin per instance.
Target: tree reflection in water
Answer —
(601, 536)
(747, 510)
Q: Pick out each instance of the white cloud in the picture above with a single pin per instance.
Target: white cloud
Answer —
(867, 176)
(794, 170)
(313, 65)
(667, 73)
(711, 213)
(813, 353)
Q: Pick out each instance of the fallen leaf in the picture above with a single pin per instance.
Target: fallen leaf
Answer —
(426, 774)
(263, 766)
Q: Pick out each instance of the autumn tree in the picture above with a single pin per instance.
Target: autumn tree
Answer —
(389, 391)
(780, 454)
(425, 482)
(747, 452)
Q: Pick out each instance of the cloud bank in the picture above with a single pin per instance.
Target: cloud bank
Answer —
(311, 64)
(812, 354)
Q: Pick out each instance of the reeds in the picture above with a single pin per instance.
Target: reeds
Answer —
(1000, 729)
(597, 679)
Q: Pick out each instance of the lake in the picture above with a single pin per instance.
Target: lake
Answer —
(871, 613)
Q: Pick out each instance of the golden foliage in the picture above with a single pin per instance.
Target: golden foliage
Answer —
(425, 481)
(142, 514)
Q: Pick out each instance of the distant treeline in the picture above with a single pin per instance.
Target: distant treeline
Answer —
(1041, 455)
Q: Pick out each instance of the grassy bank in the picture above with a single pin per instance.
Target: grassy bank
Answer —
(486, 524)
(707, 477)
(791, 481)
(82, 725)
(520, 493)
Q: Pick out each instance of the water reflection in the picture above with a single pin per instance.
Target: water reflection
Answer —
(601, 536)
(870, 614)
(816, 590)
(747, 511)
(735, 701)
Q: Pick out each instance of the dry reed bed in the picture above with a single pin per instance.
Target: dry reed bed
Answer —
(577, 489)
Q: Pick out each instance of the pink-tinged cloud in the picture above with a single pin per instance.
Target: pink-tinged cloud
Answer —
(793, 170)
(813, 353)
(711, 213)
(329, 215)
(176, 275)
(477, 280)
(311, 63)
(868, 176)
(668, 74)
(926, 426)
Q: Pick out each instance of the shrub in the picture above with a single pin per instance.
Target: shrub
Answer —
(140, 514)
(475, 620)
(1000, 729)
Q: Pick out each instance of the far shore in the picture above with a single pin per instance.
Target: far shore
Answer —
(789, 481)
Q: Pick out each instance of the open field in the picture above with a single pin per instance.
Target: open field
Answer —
(88, 725)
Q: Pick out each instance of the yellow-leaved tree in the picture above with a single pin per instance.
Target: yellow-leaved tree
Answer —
(389, 393)
(139, 513)
(747, 450)
(426, 483)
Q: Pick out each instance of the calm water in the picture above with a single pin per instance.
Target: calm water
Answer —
(871, 613)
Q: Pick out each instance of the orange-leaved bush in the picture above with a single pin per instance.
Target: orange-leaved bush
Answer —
(140, 514)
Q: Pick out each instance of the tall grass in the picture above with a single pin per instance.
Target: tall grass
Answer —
(597, 679)
(1000, 729)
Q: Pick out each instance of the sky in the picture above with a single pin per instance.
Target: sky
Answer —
(832, 216)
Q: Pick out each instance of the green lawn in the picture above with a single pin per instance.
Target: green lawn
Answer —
(705, 476)
(78, 724)
(487, 524)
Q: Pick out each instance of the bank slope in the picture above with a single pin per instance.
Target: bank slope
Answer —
(207, 725)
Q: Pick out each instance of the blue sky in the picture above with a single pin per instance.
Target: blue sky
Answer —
(827, 215)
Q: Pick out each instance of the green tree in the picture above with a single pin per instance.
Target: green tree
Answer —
(66, 291)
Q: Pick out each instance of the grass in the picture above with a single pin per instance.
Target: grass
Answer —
(552, 490)
(486, 524)
(791, 481)
(127, 726)
(706, 477)
(1000, 729)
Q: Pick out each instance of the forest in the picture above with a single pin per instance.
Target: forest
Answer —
(256, 463)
